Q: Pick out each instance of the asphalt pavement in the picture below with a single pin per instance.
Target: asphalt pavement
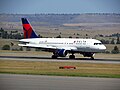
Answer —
(38, 82)
(46, 58)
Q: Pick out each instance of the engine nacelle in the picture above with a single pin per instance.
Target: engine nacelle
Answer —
(61, 52)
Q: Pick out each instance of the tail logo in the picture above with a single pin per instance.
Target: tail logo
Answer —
(28, 30)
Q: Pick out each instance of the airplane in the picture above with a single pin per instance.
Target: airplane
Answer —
(60, 46)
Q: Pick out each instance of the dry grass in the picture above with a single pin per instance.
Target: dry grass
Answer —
(110, 47)
(52, 68)
(24, 53)
(82, 29)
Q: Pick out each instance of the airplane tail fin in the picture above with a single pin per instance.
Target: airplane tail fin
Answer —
(27, 29)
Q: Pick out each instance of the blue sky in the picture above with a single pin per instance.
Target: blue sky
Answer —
(59, 6)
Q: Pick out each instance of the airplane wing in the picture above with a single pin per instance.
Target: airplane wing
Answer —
(48, 46)
(37, 46)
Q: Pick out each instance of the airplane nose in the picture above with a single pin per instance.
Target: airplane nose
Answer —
(103, 47)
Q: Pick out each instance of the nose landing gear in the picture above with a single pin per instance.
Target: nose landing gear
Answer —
(88, 54)
(72, 56)
(54, 56)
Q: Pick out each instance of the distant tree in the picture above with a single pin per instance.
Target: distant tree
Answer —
(101, 35)
(86, 35)
(112, 41)
(18, 36)
(70, 36)
(105, 41)
(6, 47)
(107, 52)
(118, 40)
(0, 34)
(21, 49)
(12, 43)
(28, 49)
(59, 36)
(78, 34)
(1, 30)
(14, 31)
(40, 36)
(4, 34)
(115, 50)
(77, 37)
(114, 35)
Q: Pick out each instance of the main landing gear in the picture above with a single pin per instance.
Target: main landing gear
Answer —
(54, 56)
(72, 56)
(92, 58)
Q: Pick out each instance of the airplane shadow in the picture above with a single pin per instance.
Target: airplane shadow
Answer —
(26, 57)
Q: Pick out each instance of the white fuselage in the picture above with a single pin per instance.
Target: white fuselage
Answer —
(80, 45)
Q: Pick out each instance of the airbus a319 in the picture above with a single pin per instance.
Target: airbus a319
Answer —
(60, 46)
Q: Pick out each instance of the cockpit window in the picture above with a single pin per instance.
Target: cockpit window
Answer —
(97, 43)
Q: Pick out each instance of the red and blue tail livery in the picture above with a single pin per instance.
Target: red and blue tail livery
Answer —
(28, 30)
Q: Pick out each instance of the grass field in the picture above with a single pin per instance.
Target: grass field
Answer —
(52, 68)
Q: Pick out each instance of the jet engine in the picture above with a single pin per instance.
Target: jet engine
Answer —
(61, 52)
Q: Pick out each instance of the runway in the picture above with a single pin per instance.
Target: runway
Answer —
(35, 82)
(46, 58)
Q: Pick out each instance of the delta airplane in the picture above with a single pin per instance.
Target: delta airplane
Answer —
(60, 46)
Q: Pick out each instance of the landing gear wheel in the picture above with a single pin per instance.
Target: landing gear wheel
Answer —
(72, 57)
(92, 58)
(54, 57)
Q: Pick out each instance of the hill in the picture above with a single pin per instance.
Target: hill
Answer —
(54, 24)
(59, 19)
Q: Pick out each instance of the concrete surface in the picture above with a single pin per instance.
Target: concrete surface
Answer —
(46, 58)
(37, 82)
